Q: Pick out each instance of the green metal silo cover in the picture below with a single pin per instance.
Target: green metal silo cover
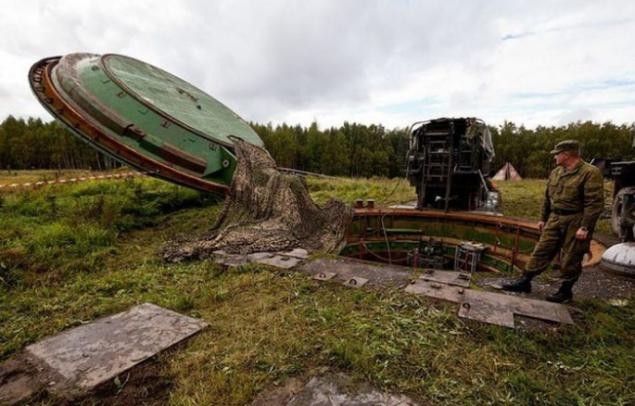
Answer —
(143, 116)
(177, 99)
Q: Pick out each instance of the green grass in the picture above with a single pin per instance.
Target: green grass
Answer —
(384, 191)
(48, 233)
(524, 199)
(267, 325)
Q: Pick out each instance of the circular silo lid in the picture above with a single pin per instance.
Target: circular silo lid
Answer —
(177, 100)
(620, 258)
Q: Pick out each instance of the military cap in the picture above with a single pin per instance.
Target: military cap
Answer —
(566, 145)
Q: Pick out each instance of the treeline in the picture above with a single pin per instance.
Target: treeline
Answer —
(355, 150)
(361, 150)
(34, 144)
(528, 150)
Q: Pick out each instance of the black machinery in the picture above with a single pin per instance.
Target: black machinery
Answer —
(623, 212)
(449, 162)
(620, 258)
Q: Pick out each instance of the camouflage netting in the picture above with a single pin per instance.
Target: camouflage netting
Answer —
(267, 211)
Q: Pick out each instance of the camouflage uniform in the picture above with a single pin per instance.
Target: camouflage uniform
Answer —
(573, 199)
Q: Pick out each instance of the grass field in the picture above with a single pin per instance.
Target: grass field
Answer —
(72, 253)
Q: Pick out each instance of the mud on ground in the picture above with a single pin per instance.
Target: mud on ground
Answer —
(23, 380)
(594, 283)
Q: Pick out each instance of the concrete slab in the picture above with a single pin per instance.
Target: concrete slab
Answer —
(498, 302)
(487, 312)
(324, 276)
(94, 353)
(284, 260)
(296, 253)
(356, 282)
(378, 275)
(274, 259)
(436, 290)
(448, 277)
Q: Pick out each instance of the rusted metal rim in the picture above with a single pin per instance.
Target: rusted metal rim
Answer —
(79, 123)
(377, 225)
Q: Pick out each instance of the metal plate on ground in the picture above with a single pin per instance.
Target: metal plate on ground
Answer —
(436, 290)
(275, 260)
(297, 253)
(324, 276)
(355, 282)
(97, 352)
(488, 312)
(383, 275)
(448, 277)
(498, 308)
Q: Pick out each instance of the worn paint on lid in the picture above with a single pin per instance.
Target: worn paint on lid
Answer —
(177, 99)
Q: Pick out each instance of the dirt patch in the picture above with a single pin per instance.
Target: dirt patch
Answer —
(266, 210)
(23, 379)
(594, 283)
(599, 284)
(142, 385)
(279, 394)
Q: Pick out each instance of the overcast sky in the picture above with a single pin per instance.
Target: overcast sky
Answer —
(385, 62)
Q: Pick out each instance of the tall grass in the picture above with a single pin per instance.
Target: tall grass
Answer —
(73, 227)
(384, 191)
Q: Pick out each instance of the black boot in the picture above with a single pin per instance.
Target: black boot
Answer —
(564, 294)
(522, 284)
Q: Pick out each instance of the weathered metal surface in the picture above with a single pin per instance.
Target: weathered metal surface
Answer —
(447, 277)
(487, 312)
(300, 253)
(355, 282)
(143, 116)
(284, 260)
(498, 308)
(347, 268)
(94, 353)
(489, 307)
(436, 290)
(324, 276)
(274, 259)
(176, 99)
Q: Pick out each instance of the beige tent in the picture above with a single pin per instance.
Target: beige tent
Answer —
(507, 172)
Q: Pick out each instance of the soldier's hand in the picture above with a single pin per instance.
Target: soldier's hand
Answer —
(541, 226)
(581, 233)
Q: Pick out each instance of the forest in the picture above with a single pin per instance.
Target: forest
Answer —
(352, 150)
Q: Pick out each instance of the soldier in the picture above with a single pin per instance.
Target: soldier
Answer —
(574, 199)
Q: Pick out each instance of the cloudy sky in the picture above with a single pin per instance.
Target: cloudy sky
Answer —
(387, 62)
